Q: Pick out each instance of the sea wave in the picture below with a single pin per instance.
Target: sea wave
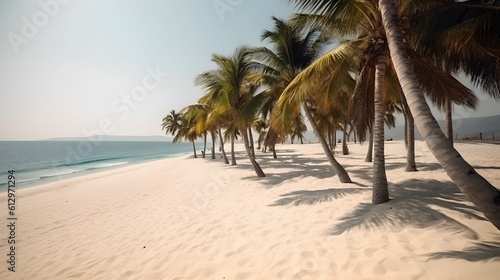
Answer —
(90, 161)
(63, 165)
(106, 165)
(28, 180)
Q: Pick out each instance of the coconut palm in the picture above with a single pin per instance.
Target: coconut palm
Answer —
(260, 125)
(171, 123)
(204, 123)
(235, 97)
(409, 135)
(359, 19)
(362, 20)
(298, 130)
(212, 83)
(465, 38)
(484, 195)
(293, 49)
(182, 127)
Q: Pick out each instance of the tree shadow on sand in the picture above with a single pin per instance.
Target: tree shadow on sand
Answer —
(298, 198)
(478, 252)
(415, 203)
(288, 167)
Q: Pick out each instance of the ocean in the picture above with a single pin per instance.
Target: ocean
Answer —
(37, 162)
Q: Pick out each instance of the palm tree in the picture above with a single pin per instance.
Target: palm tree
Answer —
(235, 97)
(477, 189)
(194, 114)
(293, 49)
(171, 123)
(201, 113)
(260, 125)
(182, 127)
(212, 83)
(363, 21)
(465, 39)
(298, 129)
(411, 166)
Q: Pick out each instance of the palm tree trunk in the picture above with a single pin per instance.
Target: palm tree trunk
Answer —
(477, 189)
(409, 135)
(233, 158)
(405, 115)
(380, 190)
(411, 166)
(204, 144)
(274, 151)
(255, 165)
(355, 140)
(222, 147)
(345, 149)
(329, 139)
(343, 176)
(250, 137)
(334, 136)
(449, 121)
(194, 149)
(369, 153)
(212, 135)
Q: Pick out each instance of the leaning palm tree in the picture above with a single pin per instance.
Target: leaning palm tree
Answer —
(235, 97)
(260, 125)
(212, 83)
(181, 127)
(362, 20)
(293, 49)
(171, 123)
(298, 129)
(204, 124)
(484, 195)
(184, 128)
(465, 39)
(358, 19)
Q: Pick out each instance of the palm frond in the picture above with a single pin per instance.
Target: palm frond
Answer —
(440, 85)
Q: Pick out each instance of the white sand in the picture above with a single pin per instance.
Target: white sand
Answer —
(187, 218)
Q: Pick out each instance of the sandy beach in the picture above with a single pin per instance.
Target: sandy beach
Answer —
(186, 218)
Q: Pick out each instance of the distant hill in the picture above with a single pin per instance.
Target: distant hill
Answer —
(462, 128)
(156, 138)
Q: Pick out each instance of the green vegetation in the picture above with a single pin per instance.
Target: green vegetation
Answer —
(350, 66)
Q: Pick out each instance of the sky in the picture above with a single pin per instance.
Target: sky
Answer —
(72, 68)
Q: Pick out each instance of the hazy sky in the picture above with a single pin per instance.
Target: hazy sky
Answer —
(72, 67)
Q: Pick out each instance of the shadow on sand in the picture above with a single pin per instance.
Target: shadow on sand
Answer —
(298, 198)
(287, 166)
(478, 252)
(415, 203)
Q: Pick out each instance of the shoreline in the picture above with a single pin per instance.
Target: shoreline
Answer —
(58, 178)
(69, 179)
(186, 218)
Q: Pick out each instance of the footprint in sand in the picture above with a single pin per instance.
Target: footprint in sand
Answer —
(306, 264)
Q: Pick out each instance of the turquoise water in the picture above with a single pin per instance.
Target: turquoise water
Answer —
(37, 162)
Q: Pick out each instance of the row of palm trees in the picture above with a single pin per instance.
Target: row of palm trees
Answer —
(383, 57)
